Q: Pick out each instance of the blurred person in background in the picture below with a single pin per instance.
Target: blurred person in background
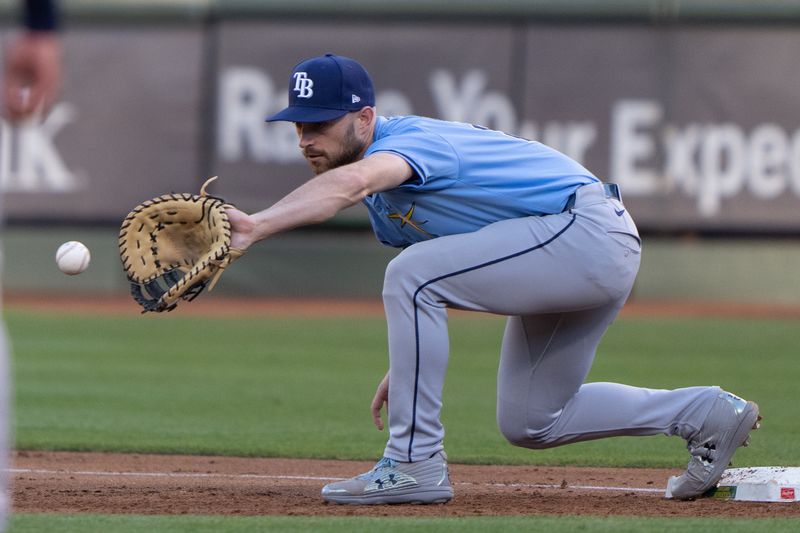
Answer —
(32, 68)
(31, 79)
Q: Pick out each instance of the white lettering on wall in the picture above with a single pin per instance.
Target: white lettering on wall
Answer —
(709, 162)
(246, 97)
(29, 158)
(648, 156)
(469, 101)
(632, 146)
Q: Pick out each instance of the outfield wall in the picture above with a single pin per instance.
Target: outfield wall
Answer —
(689, 105)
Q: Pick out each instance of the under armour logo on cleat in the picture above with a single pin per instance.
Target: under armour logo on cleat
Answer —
(389, 481)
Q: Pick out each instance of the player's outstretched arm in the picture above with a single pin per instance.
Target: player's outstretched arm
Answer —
(320, 198)
(242, 228)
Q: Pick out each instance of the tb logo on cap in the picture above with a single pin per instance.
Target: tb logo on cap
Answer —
(303, 85)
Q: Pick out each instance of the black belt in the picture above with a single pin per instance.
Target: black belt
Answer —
(611, 190)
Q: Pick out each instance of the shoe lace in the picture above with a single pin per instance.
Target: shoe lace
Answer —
(705, 451)
(383, 464)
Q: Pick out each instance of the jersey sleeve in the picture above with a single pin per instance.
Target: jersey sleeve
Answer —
(428, 154)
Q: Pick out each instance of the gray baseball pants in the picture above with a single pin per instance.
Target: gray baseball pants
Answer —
(561, 279)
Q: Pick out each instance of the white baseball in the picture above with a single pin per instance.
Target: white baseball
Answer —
(73, 257)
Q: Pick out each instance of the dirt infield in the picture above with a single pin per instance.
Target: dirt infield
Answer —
(213, 305)
(171, 484)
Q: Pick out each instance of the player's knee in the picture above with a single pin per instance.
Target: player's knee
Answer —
(514, 434)
(525, 438)
(402, 277)
(521, 432)
(395, 283)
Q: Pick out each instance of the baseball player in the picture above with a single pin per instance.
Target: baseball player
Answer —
(495, 223)
(31, 77)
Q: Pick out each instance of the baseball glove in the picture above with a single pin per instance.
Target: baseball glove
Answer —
(174, 246)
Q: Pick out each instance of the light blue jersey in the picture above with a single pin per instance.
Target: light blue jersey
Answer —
(466, 177)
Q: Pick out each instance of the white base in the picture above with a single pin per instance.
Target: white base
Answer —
(756, 484)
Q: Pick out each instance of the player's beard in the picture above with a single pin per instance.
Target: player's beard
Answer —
(352, 149)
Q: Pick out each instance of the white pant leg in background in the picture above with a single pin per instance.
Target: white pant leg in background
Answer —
(5, 414)
(5, 427)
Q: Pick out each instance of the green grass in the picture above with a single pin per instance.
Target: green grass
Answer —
(83, 523)
(301, 388)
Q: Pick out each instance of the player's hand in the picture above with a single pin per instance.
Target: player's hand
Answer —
(32, 75)
(242, 229)
(381, 398)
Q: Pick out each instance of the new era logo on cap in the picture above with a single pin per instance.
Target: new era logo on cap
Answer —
(326, 87)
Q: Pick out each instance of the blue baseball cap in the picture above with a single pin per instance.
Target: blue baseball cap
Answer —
(324, 88)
